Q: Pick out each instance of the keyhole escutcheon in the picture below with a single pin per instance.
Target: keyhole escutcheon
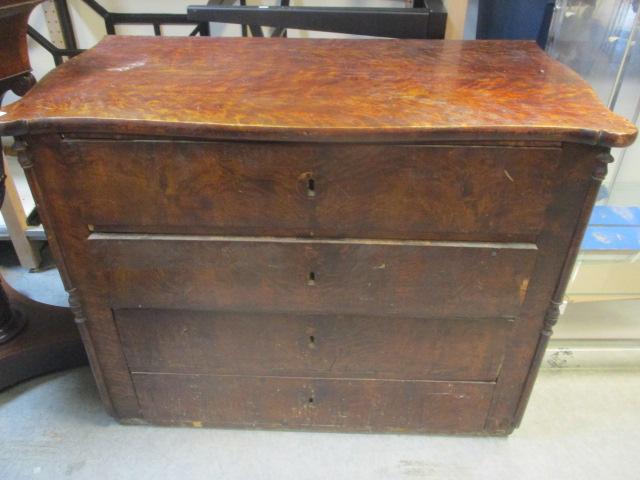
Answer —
(307, 185)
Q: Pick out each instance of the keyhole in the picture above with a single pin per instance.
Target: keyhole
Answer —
(311, 187)
(310, 399)
(312, 278)
(312, 341)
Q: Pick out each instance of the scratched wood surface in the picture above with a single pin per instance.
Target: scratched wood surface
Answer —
(366, 191)
(317, 403)
(330, 346)
(313, 276)
(393, 261)
(377, 90)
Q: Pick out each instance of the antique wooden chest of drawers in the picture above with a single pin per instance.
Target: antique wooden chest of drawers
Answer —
(367, 235)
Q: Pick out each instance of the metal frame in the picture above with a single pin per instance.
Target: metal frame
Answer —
(58, 53)
(417, 22)
(426, 19)
(111, 21)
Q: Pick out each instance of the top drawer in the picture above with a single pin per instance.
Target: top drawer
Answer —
(331, 191)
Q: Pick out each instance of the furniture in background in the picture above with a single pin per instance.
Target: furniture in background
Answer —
(600, 40)
(15, 75)
(425, 19)
(34, 338)
(372, 236)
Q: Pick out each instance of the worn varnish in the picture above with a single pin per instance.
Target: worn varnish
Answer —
(370, 191)
(352, 276)
(374, 236)
(333, 346)
(317, 403)
(279, 89)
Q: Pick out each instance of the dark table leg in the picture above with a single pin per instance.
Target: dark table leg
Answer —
(35, 338)
(11, 322)
(44, 339)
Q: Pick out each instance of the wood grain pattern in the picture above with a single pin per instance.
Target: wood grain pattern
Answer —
(417, 279)
(558, 234)
(216, 286)
(340, 90)
(311, 403)
(334, 346)
(372, 191)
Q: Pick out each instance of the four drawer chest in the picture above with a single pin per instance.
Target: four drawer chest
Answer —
(351, 235)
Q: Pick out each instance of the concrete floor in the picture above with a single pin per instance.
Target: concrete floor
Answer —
(580, 424)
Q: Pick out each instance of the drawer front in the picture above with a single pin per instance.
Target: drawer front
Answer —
(222, 343)
(334, 191)
(413, 279)
(321, 404)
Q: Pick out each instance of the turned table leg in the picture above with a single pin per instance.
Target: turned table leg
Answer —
(35, 338)
(11, 322)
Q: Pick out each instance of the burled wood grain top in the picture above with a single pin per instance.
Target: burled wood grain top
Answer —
(330, 90)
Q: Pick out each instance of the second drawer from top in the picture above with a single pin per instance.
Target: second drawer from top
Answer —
(350, 276)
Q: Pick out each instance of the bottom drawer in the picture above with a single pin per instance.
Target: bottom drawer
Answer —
(322, 404)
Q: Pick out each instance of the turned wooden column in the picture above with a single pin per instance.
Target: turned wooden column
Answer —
(35, 338)
(11, 321)
(15, 75)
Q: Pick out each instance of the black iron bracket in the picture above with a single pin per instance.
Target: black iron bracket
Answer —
(111, 20)
(57, 53)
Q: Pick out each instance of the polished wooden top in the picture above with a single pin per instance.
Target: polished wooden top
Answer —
(329, 90)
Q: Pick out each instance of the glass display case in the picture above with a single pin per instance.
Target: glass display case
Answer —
(599, 40)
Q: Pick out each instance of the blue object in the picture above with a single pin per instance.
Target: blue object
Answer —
(515, 20)
(613, 228)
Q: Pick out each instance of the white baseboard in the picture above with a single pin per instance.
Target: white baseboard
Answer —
(616, 354)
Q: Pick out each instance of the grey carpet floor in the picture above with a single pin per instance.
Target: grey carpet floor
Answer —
(579, 425)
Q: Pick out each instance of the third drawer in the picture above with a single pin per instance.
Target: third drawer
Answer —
(328, 346)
